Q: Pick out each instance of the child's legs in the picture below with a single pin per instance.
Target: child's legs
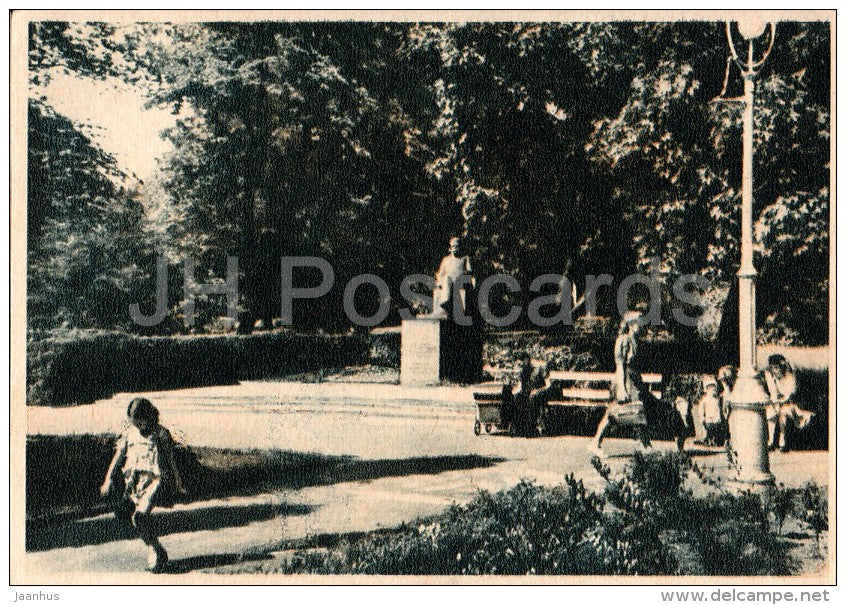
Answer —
(600, 430)
(141, 519)
(124, 511)
(128, 514)
(643, 435)
(772, 422)
(143, 524)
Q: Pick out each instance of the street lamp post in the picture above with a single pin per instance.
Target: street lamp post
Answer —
(748, 400)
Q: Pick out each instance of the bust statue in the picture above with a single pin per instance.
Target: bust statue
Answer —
(454, 271)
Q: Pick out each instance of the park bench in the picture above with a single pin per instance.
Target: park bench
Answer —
(593, 389)
(490, 397)
(585, 390)
(570, 390)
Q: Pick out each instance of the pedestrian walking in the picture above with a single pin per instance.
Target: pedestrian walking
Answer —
(143, 462)
(627, 407)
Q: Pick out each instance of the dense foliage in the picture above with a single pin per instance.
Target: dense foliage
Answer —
(647, 522)
(83, 366)
(548, 147)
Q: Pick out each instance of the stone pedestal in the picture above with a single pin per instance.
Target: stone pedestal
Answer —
(435, 349)
(420, 352)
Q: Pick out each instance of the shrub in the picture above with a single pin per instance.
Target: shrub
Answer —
(64, 473)
(385, 348)
(525, 530)
(669, 530)
(648, 521)
(80, 366)
(687, 386)
(812, 511)
(505, 356)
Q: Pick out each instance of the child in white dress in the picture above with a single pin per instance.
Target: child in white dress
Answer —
(711, 409)
(144, 458)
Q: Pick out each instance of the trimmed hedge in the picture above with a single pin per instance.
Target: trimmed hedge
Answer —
(80, 367)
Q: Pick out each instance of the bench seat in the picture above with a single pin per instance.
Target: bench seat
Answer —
(596, 392)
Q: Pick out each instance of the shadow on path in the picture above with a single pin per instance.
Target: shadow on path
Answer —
(105, 528)
(209, 474)
(63, 474)
(190, 564)
(363, 470)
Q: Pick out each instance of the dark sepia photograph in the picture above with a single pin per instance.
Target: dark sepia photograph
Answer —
(422, 297)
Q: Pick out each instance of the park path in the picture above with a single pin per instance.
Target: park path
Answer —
(366, 421)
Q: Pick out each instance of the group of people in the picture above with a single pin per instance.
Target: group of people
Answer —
(634, 405)
(712, 411)
(143, 473)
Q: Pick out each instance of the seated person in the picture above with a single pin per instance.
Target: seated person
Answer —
(782, 410)
(726, 376)
(531, 395)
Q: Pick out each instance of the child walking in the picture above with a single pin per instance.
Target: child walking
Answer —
(144, 458)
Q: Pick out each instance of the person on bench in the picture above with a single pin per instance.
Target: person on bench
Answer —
(783, 410)
(532, 395)
(627, 407)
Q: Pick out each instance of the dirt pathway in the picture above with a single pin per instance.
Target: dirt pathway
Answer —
(380, 423)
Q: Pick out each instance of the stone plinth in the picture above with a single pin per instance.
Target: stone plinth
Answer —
(420, 352)
(434, 350)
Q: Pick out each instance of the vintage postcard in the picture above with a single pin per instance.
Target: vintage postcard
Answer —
(423, 297)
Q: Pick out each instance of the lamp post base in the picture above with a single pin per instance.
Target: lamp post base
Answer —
(750, 434)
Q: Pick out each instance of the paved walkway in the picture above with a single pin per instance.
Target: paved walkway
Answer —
(367, 421)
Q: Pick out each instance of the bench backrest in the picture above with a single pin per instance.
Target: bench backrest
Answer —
(579, 393)
(568, 376)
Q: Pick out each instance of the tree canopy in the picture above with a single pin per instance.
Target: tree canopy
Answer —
(577, 148)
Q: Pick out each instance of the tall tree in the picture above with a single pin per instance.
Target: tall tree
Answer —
(291, 151)
(674, 152)
(585, 147)
(87, 254)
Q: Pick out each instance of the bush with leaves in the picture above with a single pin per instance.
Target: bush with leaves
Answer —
(525, 530)
(666, 525)
(81, 366)
(505, 357)
(813, 511)
(648, 522)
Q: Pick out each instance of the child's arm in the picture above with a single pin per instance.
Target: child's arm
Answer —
(116, 464)
(170, 461)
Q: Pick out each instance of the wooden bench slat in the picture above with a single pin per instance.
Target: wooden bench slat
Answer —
(585, 403)
(578, 404)
(589, 394)
(564, 375)
(489, 385)
(647, 377)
